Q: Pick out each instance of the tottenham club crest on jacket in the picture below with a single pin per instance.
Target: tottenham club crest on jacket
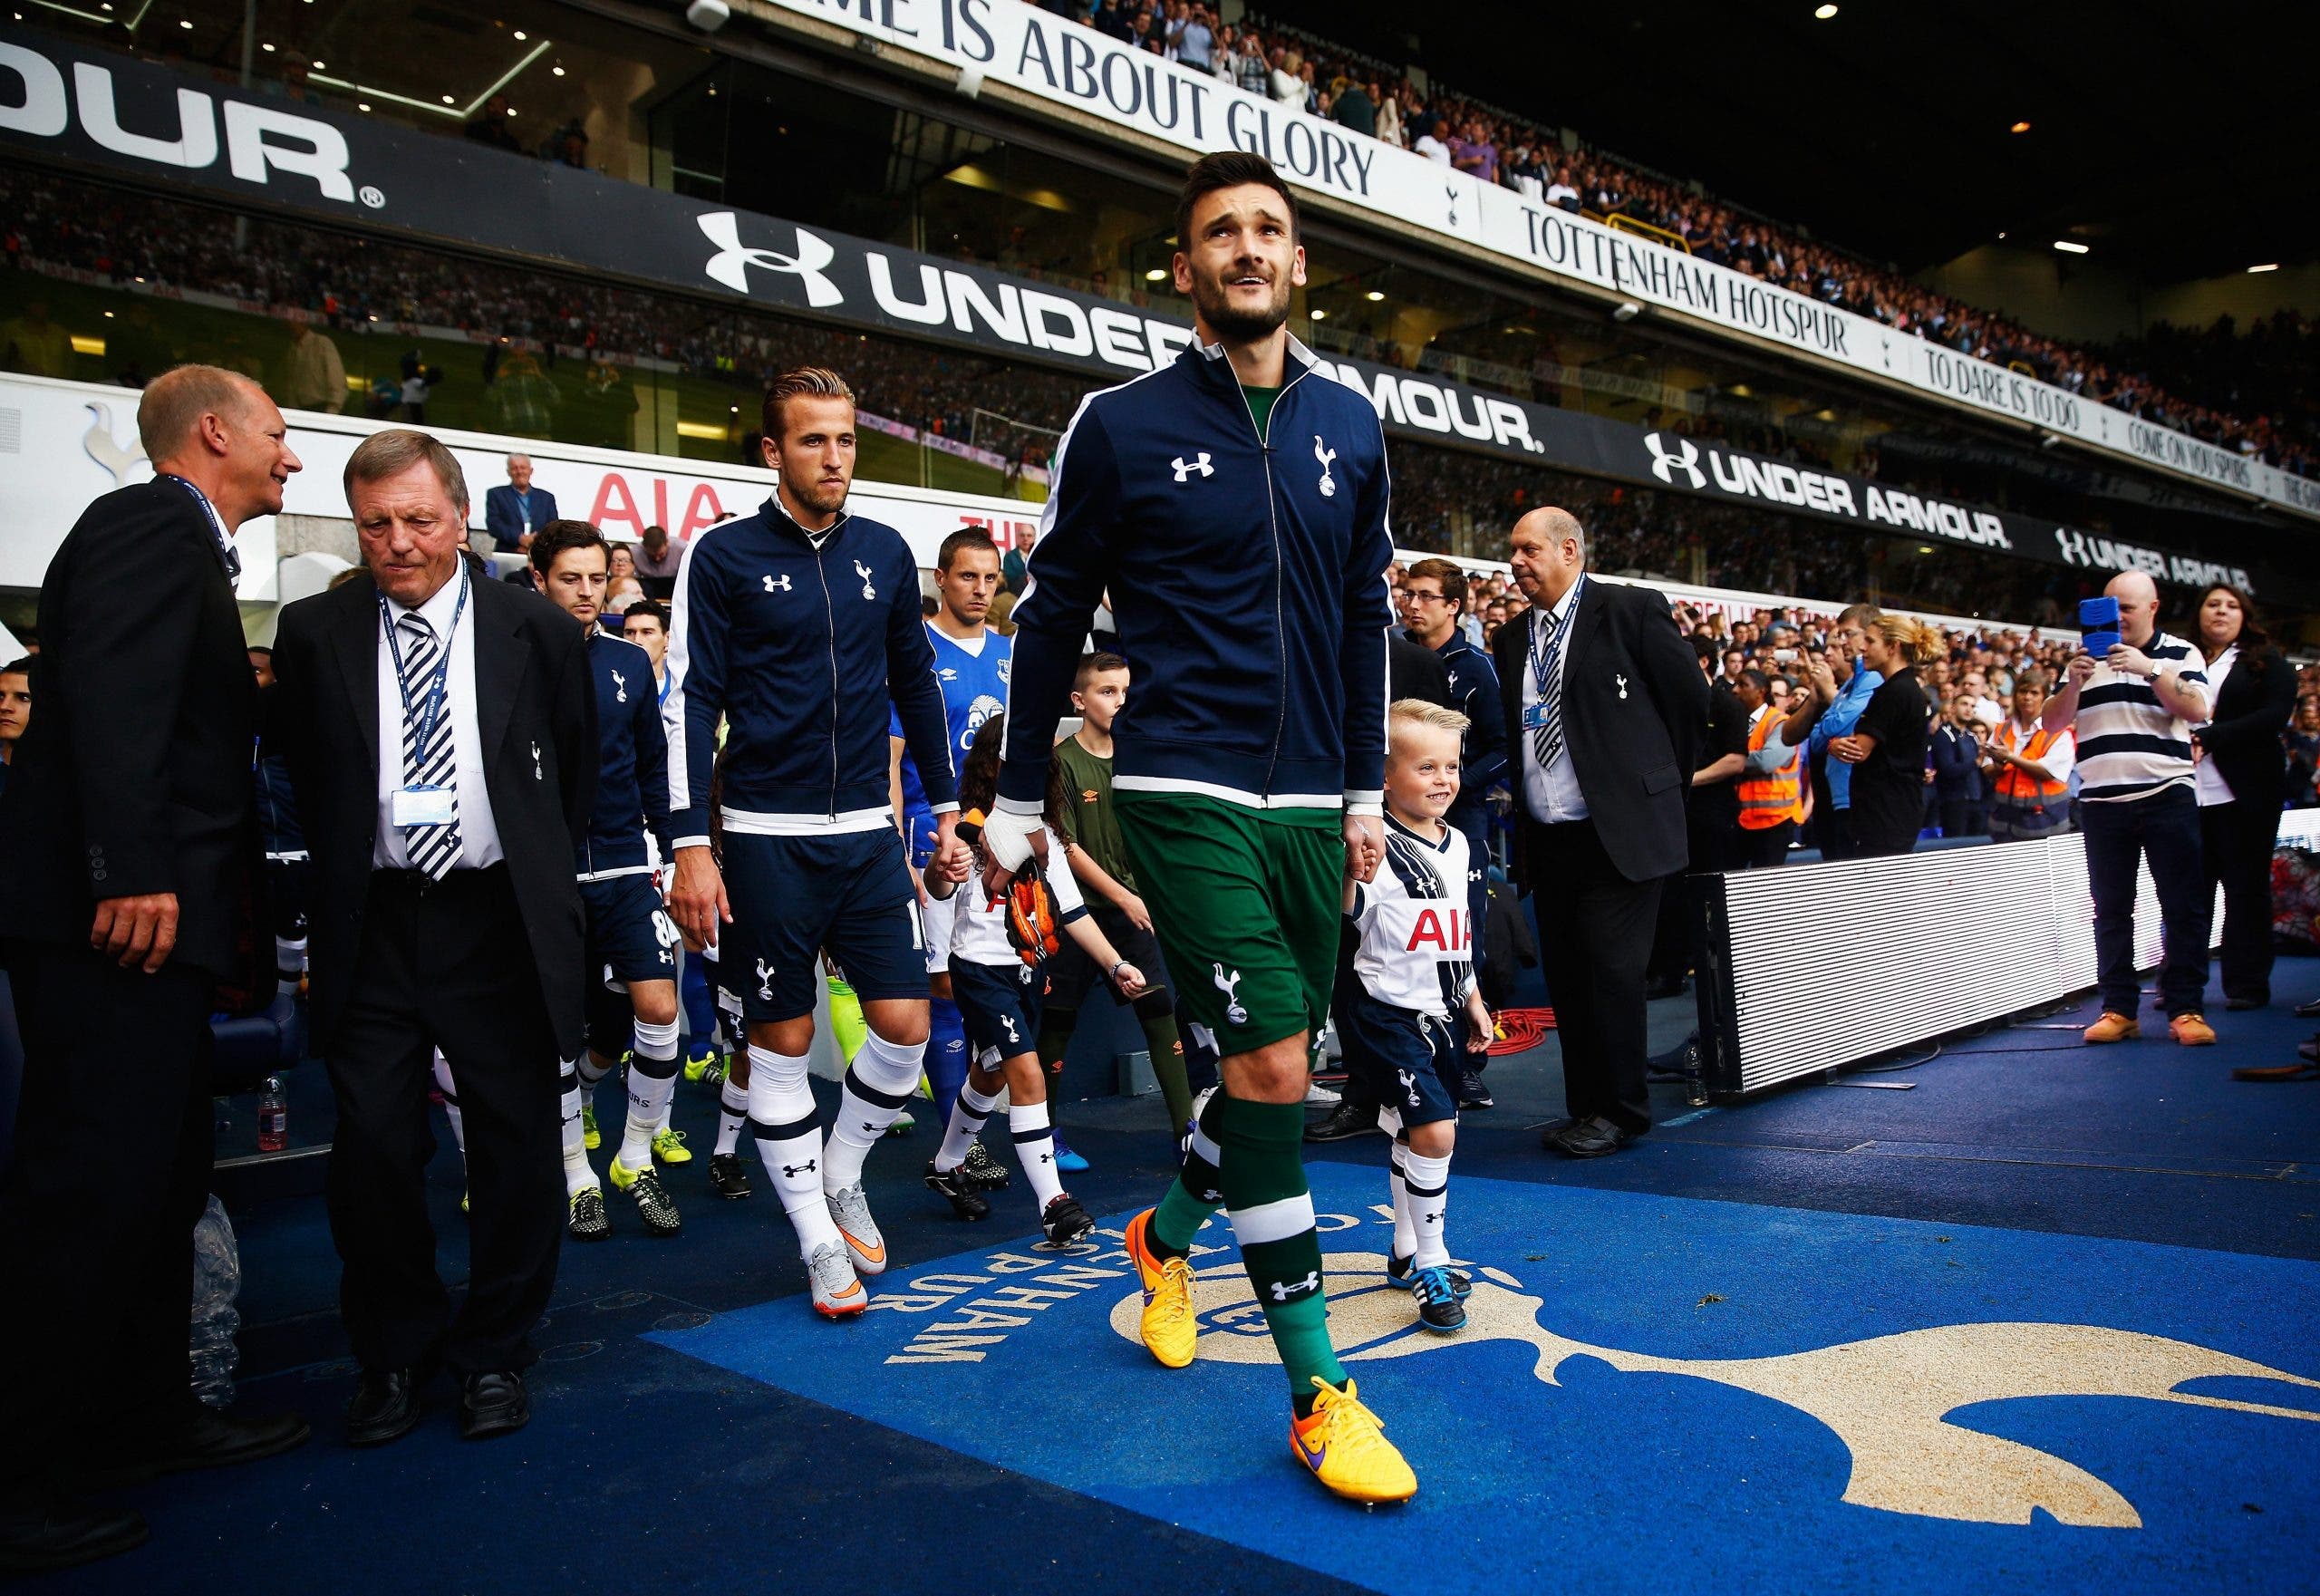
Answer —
(633, 772)
(1246, 570)
(804, 645)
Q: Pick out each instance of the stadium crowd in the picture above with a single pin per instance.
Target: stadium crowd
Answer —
(2149, 379)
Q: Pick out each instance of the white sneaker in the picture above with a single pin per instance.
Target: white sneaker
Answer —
(850, 1212)
(1318, 1095)
(837, 1294)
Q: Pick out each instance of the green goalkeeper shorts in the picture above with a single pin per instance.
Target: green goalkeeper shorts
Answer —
(1247, 904)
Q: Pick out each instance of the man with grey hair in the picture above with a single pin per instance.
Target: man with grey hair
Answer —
(513, 513)
(441, 824)
(1604, 707)
(124, 910)
(2131, 712)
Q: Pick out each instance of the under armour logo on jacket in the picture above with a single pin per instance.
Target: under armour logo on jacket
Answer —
(1225, 983)
(731, 263)
(620, 688)
(1284, 1291)
(765, 980)
(863, 571)
(1325, 454)
(778, 583)
(1200, 463)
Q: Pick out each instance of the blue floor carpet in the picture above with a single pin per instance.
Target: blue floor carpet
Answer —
(697, 1428)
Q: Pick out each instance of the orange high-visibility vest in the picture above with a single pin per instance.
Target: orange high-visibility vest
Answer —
(2019, 785)
(1767, 800)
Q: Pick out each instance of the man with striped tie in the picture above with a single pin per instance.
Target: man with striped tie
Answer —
(1604, 708)
(441, 821)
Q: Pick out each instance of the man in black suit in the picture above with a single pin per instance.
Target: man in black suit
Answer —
(1604, 710)
(440, 821)
(125, 902)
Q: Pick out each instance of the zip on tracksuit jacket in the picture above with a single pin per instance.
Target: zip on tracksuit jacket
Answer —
(633, 763)
(796, 644)
(1247, 575)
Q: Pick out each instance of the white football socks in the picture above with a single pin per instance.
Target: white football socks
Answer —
(1427, 1182)
(651, 1083)
(967, 1115)
(879, 1083)
(789, 1132)
(733, 1113)
(577, 1176)
(1035, 1149)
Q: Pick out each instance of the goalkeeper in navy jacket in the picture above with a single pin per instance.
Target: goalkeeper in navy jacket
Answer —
(1233, 503)
(793, 626)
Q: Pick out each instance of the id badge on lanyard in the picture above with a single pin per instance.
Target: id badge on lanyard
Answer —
(421, 804)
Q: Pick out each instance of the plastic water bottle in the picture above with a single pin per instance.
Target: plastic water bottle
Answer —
(217, 1282)
(273, 1118)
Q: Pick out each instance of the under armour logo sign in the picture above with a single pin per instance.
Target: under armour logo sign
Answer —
(1325, 454)
(1200, 463)
(1284, 1291)
(1225, 983)
(793, 1170)
(778, 583)
(1684, 456)
(863, 571)
(731, 263)
(620, 688)
(765, 980)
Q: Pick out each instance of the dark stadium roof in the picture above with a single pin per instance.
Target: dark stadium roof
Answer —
(2176, 144)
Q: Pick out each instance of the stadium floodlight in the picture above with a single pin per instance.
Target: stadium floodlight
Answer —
(2271, 266)
(970, 83)
(707, 15)
(1824, 13)
(2067, 247)
(1627, 310)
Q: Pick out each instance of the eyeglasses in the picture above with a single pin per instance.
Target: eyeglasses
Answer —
(1416, 595)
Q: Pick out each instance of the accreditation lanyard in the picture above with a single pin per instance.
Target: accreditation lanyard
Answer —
(439, 685)
(1542, 626)
(226, 557)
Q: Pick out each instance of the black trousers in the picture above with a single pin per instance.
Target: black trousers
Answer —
(1594, 943)
(445, 964)
(2235, 841)
(2163, 831)
(111, 1173)
(1708, 847)
(1763, 849)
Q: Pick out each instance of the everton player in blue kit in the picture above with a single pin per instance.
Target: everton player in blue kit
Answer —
(796, 626)
(971, 666)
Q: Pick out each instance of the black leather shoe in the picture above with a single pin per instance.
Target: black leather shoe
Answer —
(39, 1532)
(1678, 1063)
(2309, 1010)
(493, 1404)
(386, 1404)
(1590, 1139)
(1343, 1121)
(201, 1437)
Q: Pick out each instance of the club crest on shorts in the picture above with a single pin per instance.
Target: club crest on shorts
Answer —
(765, 982)
(1325, 454)
(1225, 983)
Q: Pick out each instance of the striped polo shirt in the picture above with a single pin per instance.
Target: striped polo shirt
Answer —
(2130, 745)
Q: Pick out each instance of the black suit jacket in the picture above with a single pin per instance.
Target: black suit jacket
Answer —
(135, 774)
(2251, 709)
(1633, 706)
(538, 727)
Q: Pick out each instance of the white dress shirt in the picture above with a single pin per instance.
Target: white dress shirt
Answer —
(2205, 780)
(478, 834)
(1550, 795)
